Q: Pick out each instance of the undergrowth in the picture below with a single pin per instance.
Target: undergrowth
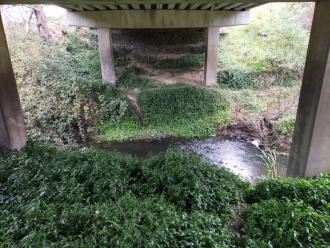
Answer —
(172, 110)
(91, 198)
(65, 197)
(285, 125)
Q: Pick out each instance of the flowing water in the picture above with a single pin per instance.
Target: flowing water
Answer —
(240, 157)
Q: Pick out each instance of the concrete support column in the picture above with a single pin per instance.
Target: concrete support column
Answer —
(211, 55)
(106, 55)
(12, 130)
(310, 154)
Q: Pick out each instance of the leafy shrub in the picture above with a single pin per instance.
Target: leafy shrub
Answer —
(190, 183)
(188, 62)
(59, 102)
(129, 222)
(237, 79)
(82, 198)
(285, 223)
(179, 103)
(46, 173)
(313, 191)
(83, 49)
(285, 125)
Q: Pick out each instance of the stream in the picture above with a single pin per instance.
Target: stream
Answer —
(240, 157)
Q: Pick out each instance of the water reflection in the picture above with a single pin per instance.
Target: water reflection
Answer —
(240, 157)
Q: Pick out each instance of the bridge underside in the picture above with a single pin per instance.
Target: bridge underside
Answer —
(310, 154)
(107, 20)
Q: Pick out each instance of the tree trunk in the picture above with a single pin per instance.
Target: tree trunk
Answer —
(41, 22)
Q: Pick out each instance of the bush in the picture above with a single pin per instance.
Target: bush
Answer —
(60, 102)
(285, 223)
(179, 103)
(90, 198)
(285, 125)
(45, 173)
(64, 197)
(314, 191)
(129, 222)
(83, 49)
(69, 112)
(190, 183)
(237, 79)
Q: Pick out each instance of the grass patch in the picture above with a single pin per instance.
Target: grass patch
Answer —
(178, 103)
(129, 128)
(238, 79)
(187, 62)
(172, 110)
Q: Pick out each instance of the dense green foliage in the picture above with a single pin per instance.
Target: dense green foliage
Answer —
(175, 110)
(61, 98)
(285, 223)
(198, 186)
(285, 125)
(90, 198)
(271, 50)
(179, 103)
(288, 212)
(314, 192)
(64, 197)
(82, 47)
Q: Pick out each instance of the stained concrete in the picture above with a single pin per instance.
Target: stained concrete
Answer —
(157, 18)
(106, 55)
(310, 154)
(12, 130)
(211, 56)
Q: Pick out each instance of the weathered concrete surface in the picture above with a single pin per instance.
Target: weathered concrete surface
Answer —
(12, 130)
(310, 154)
(211, 55)
(157, 18)
(106, 55)
(144, 2)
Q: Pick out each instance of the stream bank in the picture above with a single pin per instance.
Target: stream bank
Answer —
(238, 156)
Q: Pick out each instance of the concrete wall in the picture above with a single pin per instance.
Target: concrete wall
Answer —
(310, 154)
(12, 130)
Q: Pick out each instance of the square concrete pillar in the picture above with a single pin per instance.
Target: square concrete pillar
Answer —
(106, 55)
(211, 56)
(310, 153)
(12, 129)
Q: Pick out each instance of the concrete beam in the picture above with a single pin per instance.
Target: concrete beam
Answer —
(12, 129)
(60, 2)
(122, 19)
(310, 154)
(106, 55)
(211, 58)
